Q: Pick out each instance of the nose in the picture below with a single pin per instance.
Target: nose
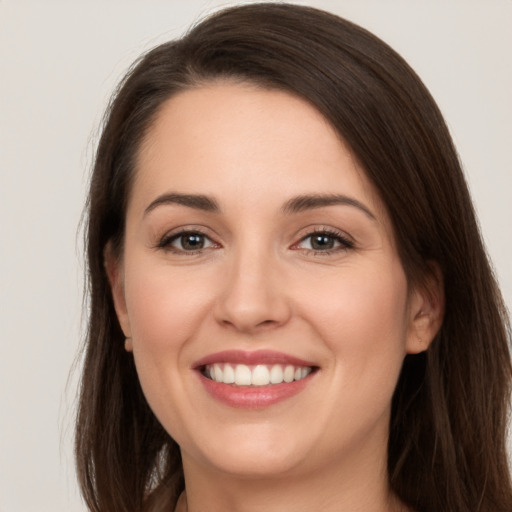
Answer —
(253, 297)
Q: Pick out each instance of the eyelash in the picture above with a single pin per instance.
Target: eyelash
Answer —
(344, 243)
(167, 240)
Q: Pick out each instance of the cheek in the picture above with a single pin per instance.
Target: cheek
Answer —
(166, 308)
(362, 316)
(165, 305)
(360, 302)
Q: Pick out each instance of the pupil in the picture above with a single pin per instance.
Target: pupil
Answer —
(320, 242)
(191, 242)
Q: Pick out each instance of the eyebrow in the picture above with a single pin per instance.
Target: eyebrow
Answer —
(309, 202)
(196, 201)
(294, 205)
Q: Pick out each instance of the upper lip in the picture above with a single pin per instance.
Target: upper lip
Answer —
(251, 358)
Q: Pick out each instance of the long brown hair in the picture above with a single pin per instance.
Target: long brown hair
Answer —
(447, 448)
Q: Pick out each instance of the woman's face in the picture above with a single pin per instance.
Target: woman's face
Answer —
(260, 287)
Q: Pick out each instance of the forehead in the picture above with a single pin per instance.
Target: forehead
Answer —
(242, 141)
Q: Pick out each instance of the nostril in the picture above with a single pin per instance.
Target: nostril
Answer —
(264, 323)
(248, 308)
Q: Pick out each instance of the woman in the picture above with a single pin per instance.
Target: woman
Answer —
(291, 305)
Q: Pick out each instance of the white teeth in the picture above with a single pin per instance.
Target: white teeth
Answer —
(276, 374)
(259, 375)
(289, 374)
(242, 375)
(217, 372)
(229, 374)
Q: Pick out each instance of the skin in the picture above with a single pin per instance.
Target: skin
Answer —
(258, 285)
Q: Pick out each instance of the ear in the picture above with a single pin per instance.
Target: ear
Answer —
(114, 269)
(426, 311)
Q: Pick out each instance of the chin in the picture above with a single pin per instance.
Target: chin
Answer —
(256, 456)
(258, 465)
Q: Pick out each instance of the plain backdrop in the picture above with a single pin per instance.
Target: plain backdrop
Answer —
(59, 62)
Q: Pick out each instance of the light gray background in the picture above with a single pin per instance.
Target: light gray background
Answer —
(59, 61)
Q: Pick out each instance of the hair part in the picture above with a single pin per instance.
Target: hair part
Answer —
(447, 448)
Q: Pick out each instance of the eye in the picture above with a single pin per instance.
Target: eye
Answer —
(187, 242)
(324, 241)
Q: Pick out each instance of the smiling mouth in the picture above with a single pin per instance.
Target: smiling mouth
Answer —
(255, 375)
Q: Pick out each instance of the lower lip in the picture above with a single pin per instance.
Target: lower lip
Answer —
(253, 397)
